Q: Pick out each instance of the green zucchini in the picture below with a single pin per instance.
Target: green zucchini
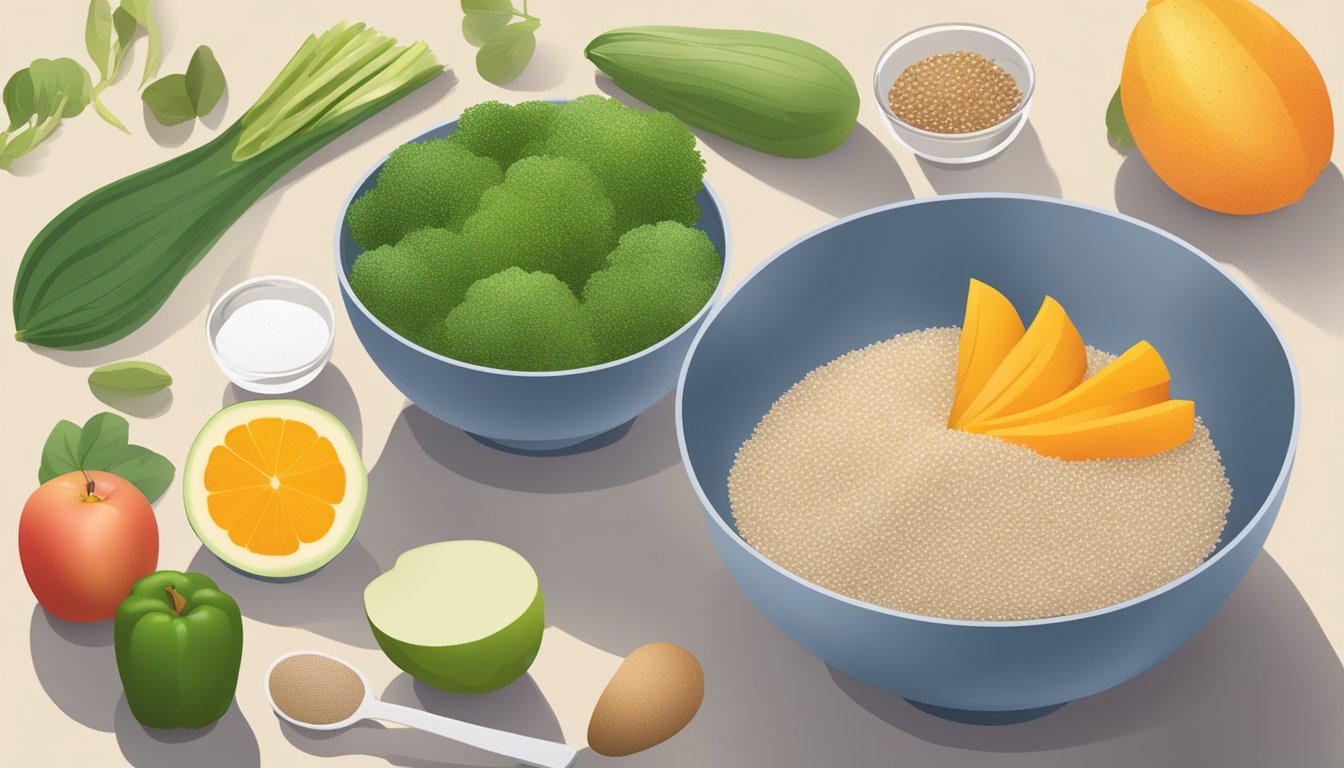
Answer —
(105, 265)
(773, 93)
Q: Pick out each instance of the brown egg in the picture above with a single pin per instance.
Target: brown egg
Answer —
(653, 695)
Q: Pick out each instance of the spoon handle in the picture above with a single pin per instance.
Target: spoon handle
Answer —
(525, 749)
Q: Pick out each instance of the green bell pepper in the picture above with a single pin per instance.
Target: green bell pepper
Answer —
(179, 643)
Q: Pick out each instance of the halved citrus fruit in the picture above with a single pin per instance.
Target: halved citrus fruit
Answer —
(274, 487)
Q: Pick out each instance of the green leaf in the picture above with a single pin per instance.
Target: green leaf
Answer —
(125, 26)
(145, 469)
(1117, 129)
(60, 454)
(132, 377)
(143, 13)
(205, 81)
(20, 99)
(167, 98)
(99, 37)
(506, 53)
(483, 18)
(101, 445)
(56, 78)
(103, 438)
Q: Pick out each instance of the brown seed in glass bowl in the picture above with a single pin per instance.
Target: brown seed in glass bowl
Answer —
(956, 92)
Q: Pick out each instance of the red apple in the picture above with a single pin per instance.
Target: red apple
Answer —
(83, 541)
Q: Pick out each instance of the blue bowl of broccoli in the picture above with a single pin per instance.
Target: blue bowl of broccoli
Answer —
(533, 274)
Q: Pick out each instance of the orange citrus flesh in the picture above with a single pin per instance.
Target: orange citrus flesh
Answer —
(1135, 379)
(1140, 432)
(273, 485)
(991, 328)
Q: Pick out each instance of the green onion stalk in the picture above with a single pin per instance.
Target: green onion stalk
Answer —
(107, 263)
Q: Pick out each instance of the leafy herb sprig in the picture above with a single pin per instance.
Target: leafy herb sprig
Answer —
(178, 98)
(506, 46)
(37, 98)
(103, 444)
(107, 36)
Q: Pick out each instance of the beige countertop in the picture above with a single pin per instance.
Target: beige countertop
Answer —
(617, 534)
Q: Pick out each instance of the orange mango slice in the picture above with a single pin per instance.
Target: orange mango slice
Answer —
(1139, 432)
(988, 333)
(1046, 362)
(1136, 379)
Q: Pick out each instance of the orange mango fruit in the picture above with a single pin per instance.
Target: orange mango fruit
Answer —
(1046, 362)
(1226, 105)
(1136, 379)
(989, 331)
(1140, 432)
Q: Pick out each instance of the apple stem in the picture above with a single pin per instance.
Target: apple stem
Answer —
(89, 495)
(179, 602)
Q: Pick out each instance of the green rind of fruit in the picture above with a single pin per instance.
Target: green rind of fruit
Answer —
(776, 94)
(216, 539)
(480, 666)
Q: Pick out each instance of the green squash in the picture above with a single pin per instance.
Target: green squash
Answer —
(776, 94)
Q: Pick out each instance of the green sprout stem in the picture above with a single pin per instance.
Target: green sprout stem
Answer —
(38, 131)
(523, 13)
(102, 109)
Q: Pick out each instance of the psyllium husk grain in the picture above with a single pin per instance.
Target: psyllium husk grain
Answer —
(854, 482)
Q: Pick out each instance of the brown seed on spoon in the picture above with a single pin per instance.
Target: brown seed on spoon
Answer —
(312, 688)
(653, 695)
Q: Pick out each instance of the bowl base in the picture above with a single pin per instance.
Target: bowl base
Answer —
(978, 717)
(562, 447)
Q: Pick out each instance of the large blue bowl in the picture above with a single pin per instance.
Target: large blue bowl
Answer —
(524, 410)
(905, 267)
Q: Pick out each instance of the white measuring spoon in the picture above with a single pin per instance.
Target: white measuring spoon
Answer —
(525, 749)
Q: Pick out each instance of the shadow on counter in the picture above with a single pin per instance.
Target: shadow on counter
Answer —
(1293, 254)
(1260, 685)
(77, 667)
(330, 391)
(858, 175)
(1021, 167)
(648, 446)
(228, 743)
(547, 70)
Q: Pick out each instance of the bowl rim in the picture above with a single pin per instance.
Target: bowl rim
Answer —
(1276, 490)
(343, 281)
(880, 91)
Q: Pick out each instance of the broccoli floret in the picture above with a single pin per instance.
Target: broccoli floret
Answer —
(657, 279)
(518, 321)
(434, 183)
(548, 215)
(647, 161)
(413, 284)
(503, 132)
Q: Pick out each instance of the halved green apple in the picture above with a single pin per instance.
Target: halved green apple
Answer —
(463, 616)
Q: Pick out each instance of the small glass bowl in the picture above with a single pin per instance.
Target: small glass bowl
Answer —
(955, 148)
(271, 287)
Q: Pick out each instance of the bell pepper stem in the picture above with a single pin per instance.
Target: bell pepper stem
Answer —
(179, 602)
